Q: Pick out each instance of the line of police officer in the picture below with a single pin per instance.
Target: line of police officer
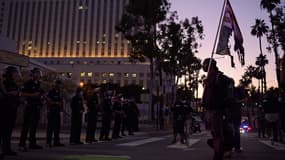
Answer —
(125, 113)
(32, 92)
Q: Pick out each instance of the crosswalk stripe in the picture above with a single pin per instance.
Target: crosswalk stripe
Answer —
(141, 142)
(276, 145)
(183, 146)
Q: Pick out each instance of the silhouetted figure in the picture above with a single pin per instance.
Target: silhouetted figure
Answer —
(117, 113)
(55, 106)
(106, 117)
(33, 92)
(92, 112)
(214, 101)
(77, 109)
(9, 105)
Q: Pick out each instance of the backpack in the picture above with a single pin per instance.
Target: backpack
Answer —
(225, 88)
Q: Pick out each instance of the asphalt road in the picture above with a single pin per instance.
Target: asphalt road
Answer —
(155, 146)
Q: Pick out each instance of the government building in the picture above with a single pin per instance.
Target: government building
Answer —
(76, 37)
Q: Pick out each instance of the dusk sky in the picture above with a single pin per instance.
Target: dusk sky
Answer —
(246, 11)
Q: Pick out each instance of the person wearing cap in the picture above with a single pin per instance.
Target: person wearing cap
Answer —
(214, 101)
(9, 105)
(55, 106)
(33, 92)
(92, 112)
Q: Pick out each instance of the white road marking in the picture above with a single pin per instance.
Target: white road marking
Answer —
(276, 145)
(183, 146)
(141, 142)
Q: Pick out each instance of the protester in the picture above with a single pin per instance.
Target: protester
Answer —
(214, 102)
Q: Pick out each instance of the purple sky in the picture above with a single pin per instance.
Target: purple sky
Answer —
(246, 12)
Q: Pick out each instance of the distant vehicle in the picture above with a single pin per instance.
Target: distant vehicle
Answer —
(245, 127)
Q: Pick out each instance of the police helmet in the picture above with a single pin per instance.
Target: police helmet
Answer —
(10, 70)
(57, 82)
(35, 71)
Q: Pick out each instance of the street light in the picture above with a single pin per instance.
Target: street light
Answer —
(81, 84)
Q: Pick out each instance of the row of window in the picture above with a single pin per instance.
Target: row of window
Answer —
(106, 74)
(44, 21)
(125, 82)
(78, 62)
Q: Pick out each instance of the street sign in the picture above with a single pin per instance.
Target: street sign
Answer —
(11, 58)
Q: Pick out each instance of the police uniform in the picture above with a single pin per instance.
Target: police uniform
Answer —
(9, 109)
(31, 113)
(117, 109)
(106, 118)
(54, 110)
(76, 118)
(92, 104)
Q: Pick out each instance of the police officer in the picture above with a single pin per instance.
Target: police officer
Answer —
(77, 109)
(117, 112)
(9, 105)
(92, 112)
(106, 117)
(33, 92)
(55, 104)
(180, 111)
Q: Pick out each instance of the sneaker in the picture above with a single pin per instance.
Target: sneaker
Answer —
(35, 146)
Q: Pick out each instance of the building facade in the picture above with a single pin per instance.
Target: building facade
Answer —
(77, 37)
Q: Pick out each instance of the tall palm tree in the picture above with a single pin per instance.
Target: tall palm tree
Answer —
(258, 30)
(269, 6)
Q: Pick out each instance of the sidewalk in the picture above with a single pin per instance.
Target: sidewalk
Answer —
(64, 134)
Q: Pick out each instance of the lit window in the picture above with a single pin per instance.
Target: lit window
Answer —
(69, 74)
(104, 74)
(111, 74)
(134, 75)
(71, 62)
(126, 74)
(81, 7)
(98, 42)
(104, 81)
(89, 74)
(77, 42)
(85, 62)
(82, 74)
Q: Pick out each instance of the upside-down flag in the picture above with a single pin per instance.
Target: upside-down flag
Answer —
(229, 25)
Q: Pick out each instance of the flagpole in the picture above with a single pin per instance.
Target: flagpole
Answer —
(217, 34)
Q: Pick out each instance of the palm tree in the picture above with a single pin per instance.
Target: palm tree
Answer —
(258, 30)
(269, 6)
